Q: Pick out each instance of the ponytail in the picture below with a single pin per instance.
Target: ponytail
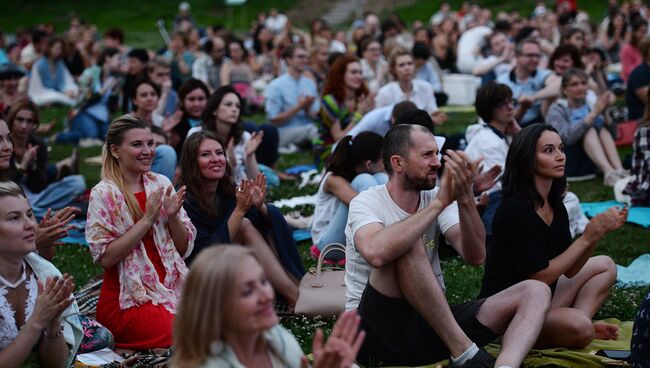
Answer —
(350, 152)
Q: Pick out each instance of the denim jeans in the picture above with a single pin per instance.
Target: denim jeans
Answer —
(56, 195)
(335, 232)
(267, 151)
(84, 125)
(164, 161)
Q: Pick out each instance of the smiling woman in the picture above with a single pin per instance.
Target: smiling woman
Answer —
(139, 232)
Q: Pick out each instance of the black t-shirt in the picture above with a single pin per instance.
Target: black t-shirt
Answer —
(522, 244)
(640, 77)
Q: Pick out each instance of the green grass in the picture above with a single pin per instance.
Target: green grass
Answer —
(137, 18)
(423, 9)
(462, 281)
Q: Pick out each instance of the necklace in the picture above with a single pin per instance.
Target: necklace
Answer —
(13, 285)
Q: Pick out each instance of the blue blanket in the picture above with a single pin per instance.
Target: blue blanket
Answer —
(637, 215)
(638, 272)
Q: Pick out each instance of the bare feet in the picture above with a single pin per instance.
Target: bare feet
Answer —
(605, 331)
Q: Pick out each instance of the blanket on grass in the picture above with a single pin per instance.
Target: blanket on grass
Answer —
(638, 272)
(637, 215)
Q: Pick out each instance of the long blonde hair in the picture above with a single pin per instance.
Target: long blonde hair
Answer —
(111, 166)
(201, 314)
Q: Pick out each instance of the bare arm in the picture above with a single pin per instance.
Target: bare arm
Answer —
(224, 74)
(340, 188)
(642, 94)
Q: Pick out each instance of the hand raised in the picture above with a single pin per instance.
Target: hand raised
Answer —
(173, 202)
(251, 146)
(154, 204)
(259, 190)
(463, 170)
(604, 223)
(53, 298)
(486, 180)
(343, 344)
(244, 196)
(52, 228)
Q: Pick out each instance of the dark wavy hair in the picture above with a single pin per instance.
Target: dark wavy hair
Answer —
(140, 81)
(564, 50)
(335, 82)
(350, 152)
(209, 120)
(519, 176)
(191, 175)
(488, 98)
(257, 44)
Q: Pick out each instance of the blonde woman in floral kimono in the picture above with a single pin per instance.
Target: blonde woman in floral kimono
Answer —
(139, 233)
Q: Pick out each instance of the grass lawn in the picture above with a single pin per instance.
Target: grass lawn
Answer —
(462, 281)
(137, 18)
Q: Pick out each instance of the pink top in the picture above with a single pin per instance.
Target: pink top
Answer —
(630, 59)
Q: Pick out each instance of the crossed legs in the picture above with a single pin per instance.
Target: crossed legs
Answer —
(575, 302)
(601, 150)
(517, 312)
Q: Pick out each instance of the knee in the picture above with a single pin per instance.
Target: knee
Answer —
(607, 266)
(581, 330)
(536, 292)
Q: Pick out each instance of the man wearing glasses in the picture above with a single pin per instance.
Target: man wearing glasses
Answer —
(529, 83)
(291, 101)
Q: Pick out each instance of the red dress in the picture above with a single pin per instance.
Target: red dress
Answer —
(144, 327)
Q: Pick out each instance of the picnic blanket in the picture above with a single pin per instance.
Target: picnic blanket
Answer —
(573, 358)
(637, 215)
(638, 272)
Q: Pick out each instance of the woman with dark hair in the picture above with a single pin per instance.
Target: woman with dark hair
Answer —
(630, 54)
(614, 36)
(266, 62)
(576, 37)
(580, 122)
(531, 240)
(47, 186)
(144, 98)
(373, 64)
(354, 166)
(224, 213)
(222, 116)
(50, 81)
(237, 71)
(138, 231)
(345, 100)
(193, 98)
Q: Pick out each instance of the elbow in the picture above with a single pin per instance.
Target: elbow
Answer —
(476, 259)
(377, 260)
(106, 262)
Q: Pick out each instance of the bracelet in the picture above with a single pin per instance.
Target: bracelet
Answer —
(50, 335)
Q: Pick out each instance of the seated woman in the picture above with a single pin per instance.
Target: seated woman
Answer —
(345, 100)
(495, 59)
(139, 233)
(37, 312)
(406, 87)
(223, 214)
(223, 117)
(639, 187)
(50, 81)
(373, 65)
(226, 318)
(531, 240)
(355, 166)
(48, 186)
(144, 97)
(193, 96)
(97, 84)
(238, 73)
(579, 123)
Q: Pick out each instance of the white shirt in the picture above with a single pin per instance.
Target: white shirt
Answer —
(421, 95)
(375, 205)
(326, 205)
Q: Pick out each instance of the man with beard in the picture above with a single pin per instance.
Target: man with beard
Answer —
(393, 270)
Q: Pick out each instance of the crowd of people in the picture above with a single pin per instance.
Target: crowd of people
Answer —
(195, 258)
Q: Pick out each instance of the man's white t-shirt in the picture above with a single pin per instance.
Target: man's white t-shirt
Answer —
(375, 205)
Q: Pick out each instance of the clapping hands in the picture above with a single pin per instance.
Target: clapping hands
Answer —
(343, 344)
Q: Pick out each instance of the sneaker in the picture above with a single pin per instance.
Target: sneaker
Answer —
(482, 359)
(610, 178)
(576, 178)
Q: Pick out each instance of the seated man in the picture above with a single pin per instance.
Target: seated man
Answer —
(292, 101)
(391, 253)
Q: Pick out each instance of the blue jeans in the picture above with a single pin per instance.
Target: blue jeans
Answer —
(56, 195)
(267, 152)
(164, 161)
(488, 213)
(335, 232)
(85, 125)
